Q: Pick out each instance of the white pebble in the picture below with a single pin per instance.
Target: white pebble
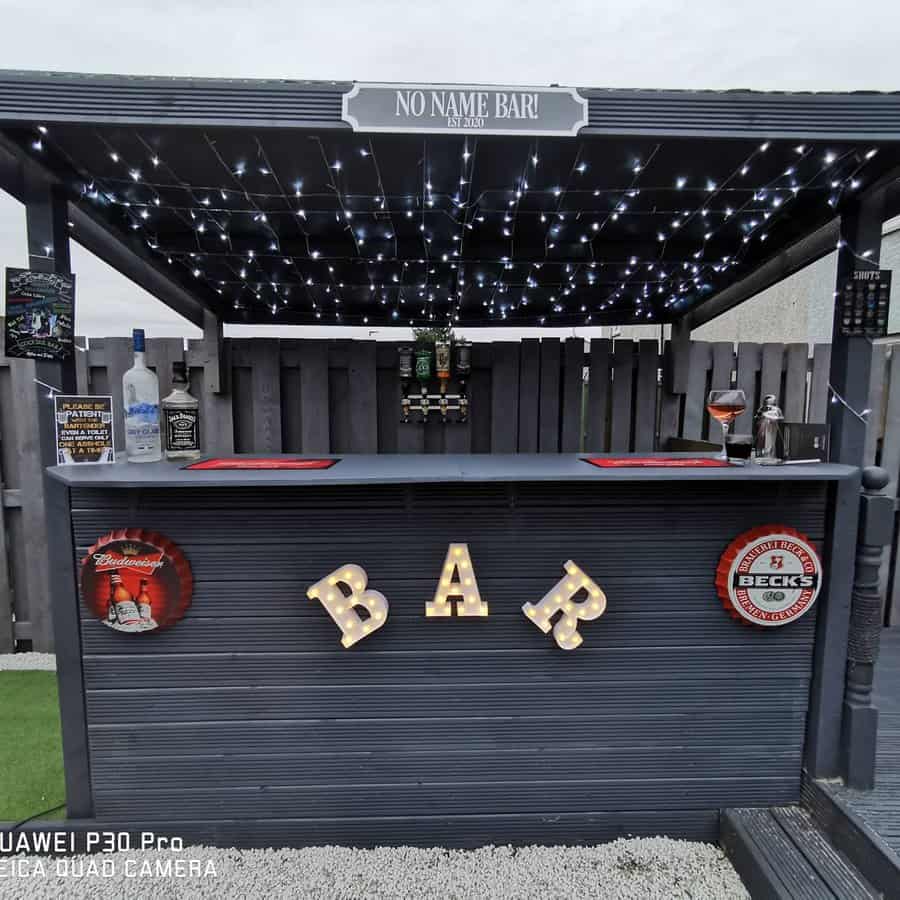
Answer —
(25, 662)
(644, 868)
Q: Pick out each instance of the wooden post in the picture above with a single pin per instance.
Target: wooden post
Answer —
(860, 719)
(215, 367)
(851, 356)
(46, 208)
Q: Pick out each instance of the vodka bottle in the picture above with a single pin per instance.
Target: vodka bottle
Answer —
(181, 417)
(140, 388)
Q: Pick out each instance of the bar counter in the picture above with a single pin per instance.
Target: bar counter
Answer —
(247, 722)
(430, 468)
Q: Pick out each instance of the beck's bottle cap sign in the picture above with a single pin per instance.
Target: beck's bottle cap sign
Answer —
(769, 575)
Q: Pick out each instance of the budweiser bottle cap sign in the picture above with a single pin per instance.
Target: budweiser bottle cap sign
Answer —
(136, 581)
(769, 575)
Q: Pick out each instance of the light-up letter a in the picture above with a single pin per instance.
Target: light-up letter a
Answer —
(344, 590)
(559, 600)
(457, 580)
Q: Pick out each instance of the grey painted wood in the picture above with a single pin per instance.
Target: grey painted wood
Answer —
(118, 355)
(529, 394)
(480, 411)
(796, 365)
(387, 392)
(878, 397)
(363, 398)
(261, 680)
(596, 440)
(573, 395)
(749, 358)
(82, 370)
(7, 638)
(720, 379)
(548, 427)
(771, 371)
(697, 390)
(359, 469)
(678, 360)
(622, 397)
(670, 406)
(314, 396)
(877, 812)
(33, 582)
(505, 397)
(216, 411)
(161, 353)
(265, 395)
(69, 674)
(645, 396)
(890, 461)
(823, 739)
(818, 384)
(837, 811)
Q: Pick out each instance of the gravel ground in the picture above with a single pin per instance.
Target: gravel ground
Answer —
(635, 868)
(29, 662)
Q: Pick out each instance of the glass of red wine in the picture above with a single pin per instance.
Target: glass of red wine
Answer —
(725, 407)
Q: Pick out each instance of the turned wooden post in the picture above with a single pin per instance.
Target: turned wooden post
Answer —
(860, 720)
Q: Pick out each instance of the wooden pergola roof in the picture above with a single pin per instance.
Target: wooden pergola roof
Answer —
(258, 202)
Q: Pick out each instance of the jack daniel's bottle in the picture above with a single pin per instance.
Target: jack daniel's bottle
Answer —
(181, 417)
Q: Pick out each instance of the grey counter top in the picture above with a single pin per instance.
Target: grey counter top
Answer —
(421, 468)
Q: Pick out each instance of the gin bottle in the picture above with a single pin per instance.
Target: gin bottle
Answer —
(181, 417)
(140, 389)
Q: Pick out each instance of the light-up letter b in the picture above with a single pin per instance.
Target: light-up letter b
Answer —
(559, 600)
(342, 591)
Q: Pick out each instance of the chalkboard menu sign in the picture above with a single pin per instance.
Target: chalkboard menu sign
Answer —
(40, 314)
(864, 304)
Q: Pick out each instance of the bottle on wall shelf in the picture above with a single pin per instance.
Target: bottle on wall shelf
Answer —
(181, 417)
(140, 390)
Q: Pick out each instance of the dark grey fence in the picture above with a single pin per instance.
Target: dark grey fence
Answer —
(342, 396)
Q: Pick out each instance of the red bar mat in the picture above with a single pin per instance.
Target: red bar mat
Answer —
(649, 462)
(262, 463)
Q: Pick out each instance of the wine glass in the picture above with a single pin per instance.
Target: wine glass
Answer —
(725, 407)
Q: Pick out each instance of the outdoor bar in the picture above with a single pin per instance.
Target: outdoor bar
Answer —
(427, 609)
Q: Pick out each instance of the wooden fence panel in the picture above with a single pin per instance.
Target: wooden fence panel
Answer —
(878, 399)
(748, 363)
(622, 389)
(505, 397)
(646, 395)
(573, 395)
(695, 398)
(314, 414)
(548, 427)
(796, 362)
(529, 395)
(327, 396)
(720, 380)
(362, 382)
(818, 384)
(598, 396)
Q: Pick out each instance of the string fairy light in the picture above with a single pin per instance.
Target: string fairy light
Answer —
(269, 239)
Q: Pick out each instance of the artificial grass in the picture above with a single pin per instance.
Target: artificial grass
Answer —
(31, 766)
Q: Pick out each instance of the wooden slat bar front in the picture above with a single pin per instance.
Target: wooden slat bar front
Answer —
(249, 723)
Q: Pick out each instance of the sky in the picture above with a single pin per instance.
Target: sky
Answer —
(813, 45)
